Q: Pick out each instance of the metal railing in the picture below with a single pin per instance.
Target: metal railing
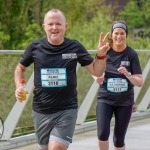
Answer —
(142, 101)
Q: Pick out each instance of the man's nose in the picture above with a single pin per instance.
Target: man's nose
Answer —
(54, 26)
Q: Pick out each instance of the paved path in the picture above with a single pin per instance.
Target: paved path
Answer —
(137, 138)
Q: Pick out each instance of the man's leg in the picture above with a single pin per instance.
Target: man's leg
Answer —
(55, 131)
(53, 145)
(62, 133)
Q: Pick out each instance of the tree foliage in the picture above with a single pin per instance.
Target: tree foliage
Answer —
(21, 20)
(133, 15)
(137, 15)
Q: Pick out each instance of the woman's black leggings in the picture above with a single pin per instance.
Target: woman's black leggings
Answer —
(122, 114)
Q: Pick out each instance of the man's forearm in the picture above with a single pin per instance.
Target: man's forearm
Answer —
(18, 75)
(99, 67)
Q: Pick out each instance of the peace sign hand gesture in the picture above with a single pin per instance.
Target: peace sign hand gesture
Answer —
(103, 45)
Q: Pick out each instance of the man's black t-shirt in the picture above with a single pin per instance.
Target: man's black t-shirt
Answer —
(55, 73)
(117, 89)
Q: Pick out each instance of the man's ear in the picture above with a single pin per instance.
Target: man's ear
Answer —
(66, 25)
(43, 26)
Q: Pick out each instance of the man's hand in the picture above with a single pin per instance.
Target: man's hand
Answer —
(19, 94)
(103, 45)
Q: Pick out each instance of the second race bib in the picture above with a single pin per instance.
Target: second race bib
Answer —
(117, 85)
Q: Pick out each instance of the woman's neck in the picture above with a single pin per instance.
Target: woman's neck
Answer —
(119, 48)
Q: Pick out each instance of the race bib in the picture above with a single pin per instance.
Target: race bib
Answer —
(117, 85)
(53, 77)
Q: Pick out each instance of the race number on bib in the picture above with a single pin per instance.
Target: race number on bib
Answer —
(117, 85)
(53, 77)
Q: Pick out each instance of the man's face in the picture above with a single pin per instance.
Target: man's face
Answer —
(55, 27)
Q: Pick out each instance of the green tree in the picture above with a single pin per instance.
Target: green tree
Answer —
(146, 15)
(22, 22)
(136, 14)
(132, 14)
(15, 16)
(12, 21)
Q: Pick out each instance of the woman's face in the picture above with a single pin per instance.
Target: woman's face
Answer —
(119, 37)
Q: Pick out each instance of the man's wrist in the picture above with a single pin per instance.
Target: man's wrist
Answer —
(100, 57)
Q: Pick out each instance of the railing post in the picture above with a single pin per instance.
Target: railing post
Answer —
(14, 115)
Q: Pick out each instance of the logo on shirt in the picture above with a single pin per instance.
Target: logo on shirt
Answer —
(69, 137)
(125, 63)
(69, 56)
